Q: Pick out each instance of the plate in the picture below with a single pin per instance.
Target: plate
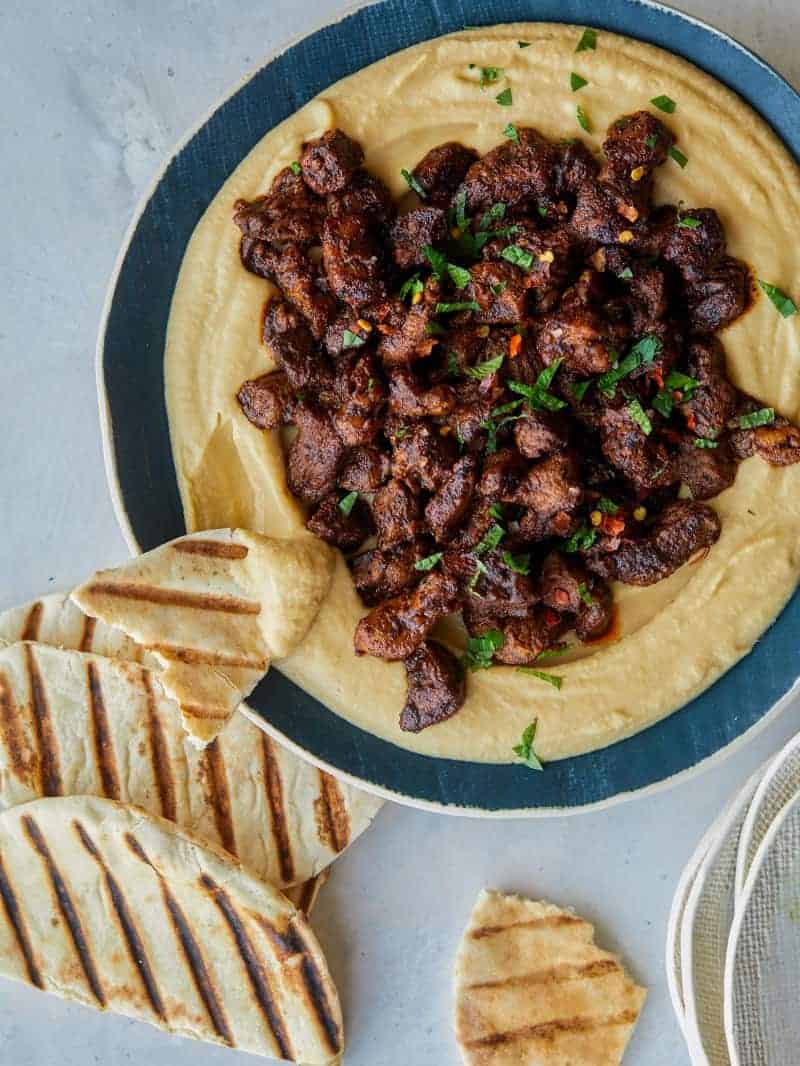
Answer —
(136, 433)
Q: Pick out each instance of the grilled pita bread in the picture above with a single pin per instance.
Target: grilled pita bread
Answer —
(305, 896)
(79, 724)
(532, 989)
(214, 608)
(57, 621)
(119, 910)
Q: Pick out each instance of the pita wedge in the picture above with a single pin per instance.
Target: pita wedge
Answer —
(214, 608)
(79, 724)
(305, 896)
(532, 989)
(107, 905)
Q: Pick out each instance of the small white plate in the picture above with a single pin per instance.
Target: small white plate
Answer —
(762, 969)
(706, 923)
(779, 784)
(673, 954)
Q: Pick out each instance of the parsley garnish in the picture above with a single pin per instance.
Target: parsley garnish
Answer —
(459, 305)
(525, 747)
(512, 133)
(549, 654)
(429, 562)
(585, 595)
(785, 304)
(576, 81)
(401, 433)
(580, 388)
(678, 156)
(411, 287)
(765, 416)
(348, 502)
(489, 75)
(607, 506)
(520, 564)
(413, 184)
(542, 210)
(352, 340)
(583, 119)
(520, 257)
(687, 222)
(295, 168)
(664, 103)
(487, 367)
(460, 277)
(581, 540)
(651, 141)
(588, 41)
(644, 351)
(504, 99)
(664, 401)
(625, 274)
(480, 650)
(704, 442)
(496, 511)
(493, 428)
(452, 363)
(537, 395)
(437, 260)
(524, 44)
(551, 679)
(490, 540)
(499, 288)
(435, 329)
(639, 416)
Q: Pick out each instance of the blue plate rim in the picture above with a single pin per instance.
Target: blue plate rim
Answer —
(125, 523)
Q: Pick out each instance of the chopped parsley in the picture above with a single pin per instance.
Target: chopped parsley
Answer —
(412, 287)
(484, 369)
(473, 581)
(504, 99)
(551, 679)
(784, 304)
(480, 650)
(687, 222)
(639, 416)
(519, 256)
(491, 539)
(664, 103)
(499, 288)
(542, 209)
(401, 433)
(583, 119)
(704, 442)
(352, 340)
(496, 511)
(296, 169)
(459, 305)
(581, 540)
(520, 564)
(429, 562)
(452, 364)
(553, 653)
(588, 41)
(675, 381)
(537, 395)
(437, 260)
(525, 747)
(644, 351)
(493, 427)
(460, 277)
(348, 502)
(511, 132)
(606, 506)
(413, 184)
(585, 595)
(576, 81)
(677, 155)
(651, 141)
(495, 213)
(580, 388)
(435, 329)
(489, 75)
(625, 274)
(765, 416)
(524, 44)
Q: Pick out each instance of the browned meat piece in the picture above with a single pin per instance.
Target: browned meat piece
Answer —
(648, 294)
(257, 257)
(357, 418)
(365, 195)
(513, 172)
(410, 399)
(778, 443)
(635, 144)
(290, 343)
(713, 404)
(436, 687)
(413, 231)
(298, 279)
(441, 171)
(502, 474)
(602, 214)
(289, 212)
(379, 574)
(581, 337)
(550, 492)
(541, 433)
(329, 162)
(562, 580)
(498, 592)
(643, 460)
(596, 612)
(397, 513)
(404, 331)
(718, 297)
(479, 521)
(576, 166)
(314, 455)
(682, 528)
(554, 256)
(707, 471)
(468, 345)
(364, 469)
(500, 290)
(526, 638)
(448, 507)
(692, 249)
(353, 260)
(352, 321)
(396, 628)
(264, 400)
(345, 531)
(424, 457)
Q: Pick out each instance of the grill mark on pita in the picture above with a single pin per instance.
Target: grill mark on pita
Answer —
(555, 976)
(333, 823)
(215, 549)
(30, 630)
(553, 1029)
(203, 601)
(197, 710)
(280, 825)
(280, 944)
(219, 795)
(103, 745)
(159, 754)
(191, 950)
(87, 636)
(48, 748)
(252, 964)
(552, 921)
(67, 908)
(315, 986)
(135, 945)
(14, 739)
(210, 658)
(309, 890)
(17, 922)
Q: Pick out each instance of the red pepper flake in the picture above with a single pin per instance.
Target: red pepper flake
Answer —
(691, 421)
(613, 526)
(561, 596)
(561, 523)
(514, 345)
(658, 377)
(551, 618)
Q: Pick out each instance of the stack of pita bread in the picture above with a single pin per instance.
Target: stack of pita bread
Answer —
(152, 837)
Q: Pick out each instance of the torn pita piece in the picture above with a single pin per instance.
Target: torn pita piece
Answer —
(214, 608)
(73, 723)
(532, 989)
(104, 904)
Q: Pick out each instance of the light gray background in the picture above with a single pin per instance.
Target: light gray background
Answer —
(93, 96)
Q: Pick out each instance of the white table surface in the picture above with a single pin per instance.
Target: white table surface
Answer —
(93, 95)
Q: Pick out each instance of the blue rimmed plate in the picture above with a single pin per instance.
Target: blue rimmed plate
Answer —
(137, 444)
